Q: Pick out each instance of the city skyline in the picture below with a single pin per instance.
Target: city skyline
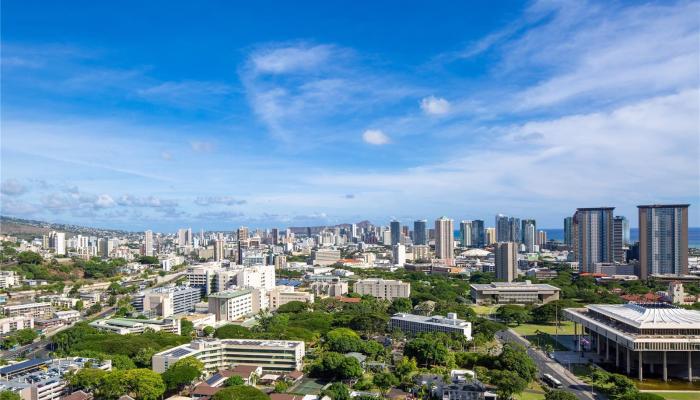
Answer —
(231, 115)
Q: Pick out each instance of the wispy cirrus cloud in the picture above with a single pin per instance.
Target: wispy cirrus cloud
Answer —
(223, 200)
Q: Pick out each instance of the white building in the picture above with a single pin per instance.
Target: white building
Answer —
(281, 295)
(12, 324)
(232, 305)
(514, 292)
(8, 279)
(325, 257)
(167, 301)
(124, 326)
(414, 324)
(271, 355)
(333, 287)
(36, 310)
(398, 254)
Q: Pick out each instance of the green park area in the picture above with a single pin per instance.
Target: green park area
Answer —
(531, 329)
(679, 395)
(484, 310)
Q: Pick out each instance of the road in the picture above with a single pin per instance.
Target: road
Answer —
(547, 365)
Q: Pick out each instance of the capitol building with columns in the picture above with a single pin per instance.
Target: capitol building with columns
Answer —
(656, 339)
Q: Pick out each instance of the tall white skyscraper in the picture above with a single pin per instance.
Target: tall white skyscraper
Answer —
(593, 237)
(399, 254)
(148, 243)
(57, 241)
(465, 233)
(529, 234)
(444, 239)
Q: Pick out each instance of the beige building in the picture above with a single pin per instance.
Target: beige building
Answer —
(514, 293)
(271, 355)
(36, 310)
(333, 288)
(232, 305)
(444, 239)
(593, 236)
(325, 257)
(281, 295)
(12, 324)
(382, 288)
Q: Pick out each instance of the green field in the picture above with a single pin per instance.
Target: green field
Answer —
(484, 310)
(529, 396)
(565, 328)
(679, 395)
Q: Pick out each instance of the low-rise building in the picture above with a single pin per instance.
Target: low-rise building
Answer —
(167, 301)
(414, 324)
(44, 379)
(271, 355)
(36, 310)
(385, 289)
(11, 324)
(332, 288)
(232, 305)
(124, 326)
(281, 295)
(9, 279)
(514, 292)
(325, 256)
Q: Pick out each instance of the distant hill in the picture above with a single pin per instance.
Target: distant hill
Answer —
(28, 229)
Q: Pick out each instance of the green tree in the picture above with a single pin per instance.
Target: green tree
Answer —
(507, 383)
(293, 307)
(559, 395)
(511, 313)
(400, 305)
(9, 395)
(514, 358)
(545, 313)
(182, 373)
(79, 305)
(25, 336)
(343, 340)
(337, 391)
(29, 257)
(234, 380)
(240, 393)
(335, 367)
(281, 386)
(384, 381)
(186, 327)
(209, 330)
(427, 351)
(405, 369)
(88, 379)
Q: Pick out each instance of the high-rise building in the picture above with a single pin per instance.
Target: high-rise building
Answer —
(148, 243)
(541, 238)
(182, 237)
(620, 226)
(593, 237)
(444, 238)
(275, 236)
(569, 231)
(514, 225)
(502, 228)
(506, 261)
(57, 241)
(663, 240)
(218, 249)
(478, 234)
(419, 232)
(395, 227)
(465, 233)
(490, 235)
(243, 234)
(399, 254)
(529, 234)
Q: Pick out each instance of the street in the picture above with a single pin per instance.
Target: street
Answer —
(546, 365)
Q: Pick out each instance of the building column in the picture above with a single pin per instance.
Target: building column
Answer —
(651, 368)
(665, 368)
(628, 361)
(607, 349)
(578, 342)
(617, 355)
(597, 343)
(641, 364)
(690, 366)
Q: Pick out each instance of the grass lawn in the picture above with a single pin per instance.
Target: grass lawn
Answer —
(484, 310)
(529, 396)
(659, 385)
(565, 328)
(679, 395)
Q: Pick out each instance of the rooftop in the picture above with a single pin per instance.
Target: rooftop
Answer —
(519, 286)
(649, 316)
(436, 319)
(229, 294)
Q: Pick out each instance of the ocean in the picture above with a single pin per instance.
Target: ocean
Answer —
(693, 235)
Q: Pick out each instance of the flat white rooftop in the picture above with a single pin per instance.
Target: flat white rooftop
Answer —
(513, 286)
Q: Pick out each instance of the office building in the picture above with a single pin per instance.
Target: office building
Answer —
(541, 238)
(593, 236)
(167, 301)
(219, 249)
(420, 232)
(506, 261)
(271, 355)
(502, 228)
(620, 238)
(232, 305)
(465, 233)
(514, 293)
(395, 228)
(444, 239)
(490, 235)
(57, 242)
(529, 234)
(275, 236)
(569, 231)
(414, 324)
(652, 339)
(148, 243)
(384, 289)
(663, 240)
(398, 254)
(478, 235)
(325, 257)
(421, 252)
(332, 288)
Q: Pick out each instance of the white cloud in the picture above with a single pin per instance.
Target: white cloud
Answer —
(294, 58)
(104, 201)
(435, 105)
(202, 146)
(225, 200)
(375, 137)
(148, 201)
(12, 187)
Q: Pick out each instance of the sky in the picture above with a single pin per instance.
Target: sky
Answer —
(214, 114)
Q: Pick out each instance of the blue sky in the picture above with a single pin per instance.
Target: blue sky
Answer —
(214, 114)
